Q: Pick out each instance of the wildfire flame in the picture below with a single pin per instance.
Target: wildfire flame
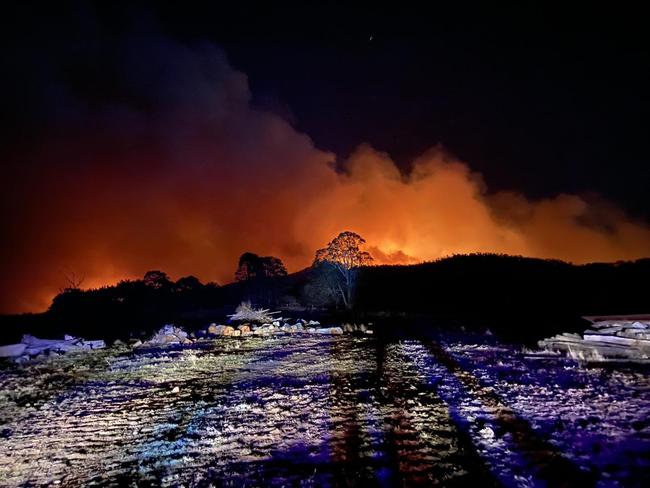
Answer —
(117, 190)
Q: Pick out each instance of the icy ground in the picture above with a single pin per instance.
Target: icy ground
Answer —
(335, 411)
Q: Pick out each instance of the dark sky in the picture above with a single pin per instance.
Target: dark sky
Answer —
(543, 100)
(175, 136)
(538, 99)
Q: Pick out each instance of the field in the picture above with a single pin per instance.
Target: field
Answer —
(302, 411)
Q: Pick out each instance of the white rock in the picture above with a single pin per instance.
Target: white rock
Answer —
(169, 334)
(220, 330)
(486, 433)
(244, 329)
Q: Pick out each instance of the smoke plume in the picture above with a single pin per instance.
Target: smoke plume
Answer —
(153, 157)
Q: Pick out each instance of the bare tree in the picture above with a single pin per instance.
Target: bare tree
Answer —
(73, 282)
(345, 254)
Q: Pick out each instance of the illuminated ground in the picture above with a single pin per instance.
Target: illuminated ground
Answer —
(321, 411)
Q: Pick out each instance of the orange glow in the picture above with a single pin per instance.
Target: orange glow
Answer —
(190, 196)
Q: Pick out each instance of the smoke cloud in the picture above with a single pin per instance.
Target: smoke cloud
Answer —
(153, 157)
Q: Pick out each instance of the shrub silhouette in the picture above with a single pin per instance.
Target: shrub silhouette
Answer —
(522, 298)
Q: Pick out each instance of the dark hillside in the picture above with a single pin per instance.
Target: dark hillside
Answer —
(520, 298)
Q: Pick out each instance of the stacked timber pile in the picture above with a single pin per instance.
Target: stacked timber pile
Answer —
(609, 339)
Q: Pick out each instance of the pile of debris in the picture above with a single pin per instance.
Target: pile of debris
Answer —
(609, 339)
(31, 347)
(246, 313)
(279, 326)
(169, 334)
(172, 335)
(262, 322)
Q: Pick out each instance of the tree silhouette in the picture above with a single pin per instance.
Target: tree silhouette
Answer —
(252, 266)
(188, 283)
(345, 254)
(73, 282)
(156, 279)
(272, 267)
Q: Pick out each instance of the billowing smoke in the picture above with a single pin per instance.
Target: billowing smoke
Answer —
(443, 208)
(154, 158)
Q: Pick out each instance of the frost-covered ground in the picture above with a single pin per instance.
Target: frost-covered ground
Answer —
(327, 410)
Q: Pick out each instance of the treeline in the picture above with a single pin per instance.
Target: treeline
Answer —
(112, 312)
(522, 298)
(138, 307)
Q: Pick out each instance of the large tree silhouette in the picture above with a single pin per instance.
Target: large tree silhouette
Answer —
(344, 253)
(252, 266)
(157, 279)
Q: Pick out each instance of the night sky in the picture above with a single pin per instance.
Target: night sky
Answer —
(178, 136)
(536, 99)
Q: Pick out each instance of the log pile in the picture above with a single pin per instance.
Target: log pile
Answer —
(608, 339)
(31, 347)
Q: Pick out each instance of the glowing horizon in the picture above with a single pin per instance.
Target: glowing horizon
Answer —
(116, 191)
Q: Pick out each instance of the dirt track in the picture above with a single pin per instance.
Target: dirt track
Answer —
(314, 411)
